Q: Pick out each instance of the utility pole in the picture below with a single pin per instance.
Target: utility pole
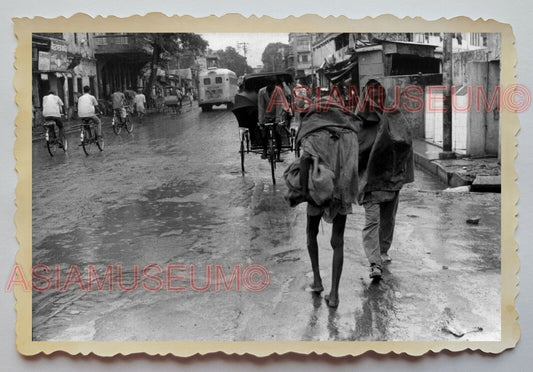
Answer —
(244, 46)
(447, 81)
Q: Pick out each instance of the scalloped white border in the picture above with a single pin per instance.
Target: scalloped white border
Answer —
(158, 22)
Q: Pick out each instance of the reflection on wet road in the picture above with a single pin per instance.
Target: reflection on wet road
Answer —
(171, 194)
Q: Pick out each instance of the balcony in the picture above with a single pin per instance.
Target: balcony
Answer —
(118, 44)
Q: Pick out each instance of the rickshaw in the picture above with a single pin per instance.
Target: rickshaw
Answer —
(172, 99)
(246, 109)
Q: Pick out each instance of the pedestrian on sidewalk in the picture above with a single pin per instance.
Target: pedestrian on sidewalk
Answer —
(328, 181)
(385, 165)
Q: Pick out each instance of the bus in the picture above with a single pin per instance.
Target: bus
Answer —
(216, 86)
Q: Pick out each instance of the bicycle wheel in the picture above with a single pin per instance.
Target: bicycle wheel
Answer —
(129, 123)
(117, 125)
(272, 158)
(86, 140)
(242, 155)
(99, 142)
(51, 143)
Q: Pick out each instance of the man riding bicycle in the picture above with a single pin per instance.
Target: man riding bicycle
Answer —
(87, 106)
(52, 109)
(264, 116)
(118, 100)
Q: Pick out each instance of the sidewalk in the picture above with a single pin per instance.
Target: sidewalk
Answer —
(481, 174)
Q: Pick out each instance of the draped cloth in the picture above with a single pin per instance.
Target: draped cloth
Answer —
(329, 138)
(386, 160)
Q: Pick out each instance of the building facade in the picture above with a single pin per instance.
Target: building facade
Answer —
(122, 59)
(63, 63)
(300, 59)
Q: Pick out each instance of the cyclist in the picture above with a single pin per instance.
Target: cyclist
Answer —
(274, 115)
(118, 99)
(87, 106)
(129, 95)
(52, 109)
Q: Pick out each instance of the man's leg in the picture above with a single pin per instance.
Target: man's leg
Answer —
(386, 223)
(264, 141)
(337, 243)
(371, 235)
(96, 119)
(61, 128)
(313, 223)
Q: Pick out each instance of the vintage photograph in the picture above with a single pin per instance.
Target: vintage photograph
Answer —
(212, 189)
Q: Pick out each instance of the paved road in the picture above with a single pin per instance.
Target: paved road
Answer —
(172, 194)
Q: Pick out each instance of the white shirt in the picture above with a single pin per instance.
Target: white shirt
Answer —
(140, 100)
(52, 106)
(86, 105)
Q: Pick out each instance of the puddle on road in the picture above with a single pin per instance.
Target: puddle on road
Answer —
(377, 311)
(173, 210)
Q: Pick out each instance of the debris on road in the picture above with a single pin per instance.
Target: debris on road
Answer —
(473, 221)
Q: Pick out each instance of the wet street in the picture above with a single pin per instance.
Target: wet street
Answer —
(167, 213)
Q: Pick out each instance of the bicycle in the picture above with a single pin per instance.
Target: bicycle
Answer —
(53, 142)
(88, 136)
(118, 122)
(272, 147)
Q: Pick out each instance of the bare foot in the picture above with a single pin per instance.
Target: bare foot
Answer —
(331, 301)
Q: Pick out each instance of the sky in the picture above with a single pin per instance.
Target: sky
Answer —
(256, 43)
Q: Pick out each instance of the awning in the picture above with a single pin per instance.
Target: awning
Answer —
(341, 70)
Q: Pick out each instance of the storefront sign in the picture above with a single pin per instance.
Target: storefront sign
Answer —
(44, 61)
(58, 55)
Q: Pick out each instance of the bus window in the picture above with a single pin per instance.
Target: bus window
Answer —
(218, 80)
(207, 81)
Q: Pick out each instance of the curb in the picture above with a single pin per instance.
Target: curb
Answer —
(451, 179)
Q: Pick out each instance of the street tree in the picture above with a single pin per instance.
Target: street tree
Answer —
(274, 57)
(160, 45)
(232, 60)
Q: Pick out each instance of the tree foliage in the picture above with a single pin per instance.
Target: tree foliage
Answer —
(274, 57)
(232, 60)
(160, 45)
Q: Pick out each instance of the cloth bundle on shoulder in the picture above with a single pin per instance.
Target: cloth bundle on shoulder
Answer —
(329, 138)
(320, 187)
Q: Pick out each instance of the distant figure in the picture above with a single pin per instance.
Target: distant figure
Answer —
(118, 99)
(140, 103)
(385, 165)
(87, 106)
(52, 109)
(129, 95)
(190, 96)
